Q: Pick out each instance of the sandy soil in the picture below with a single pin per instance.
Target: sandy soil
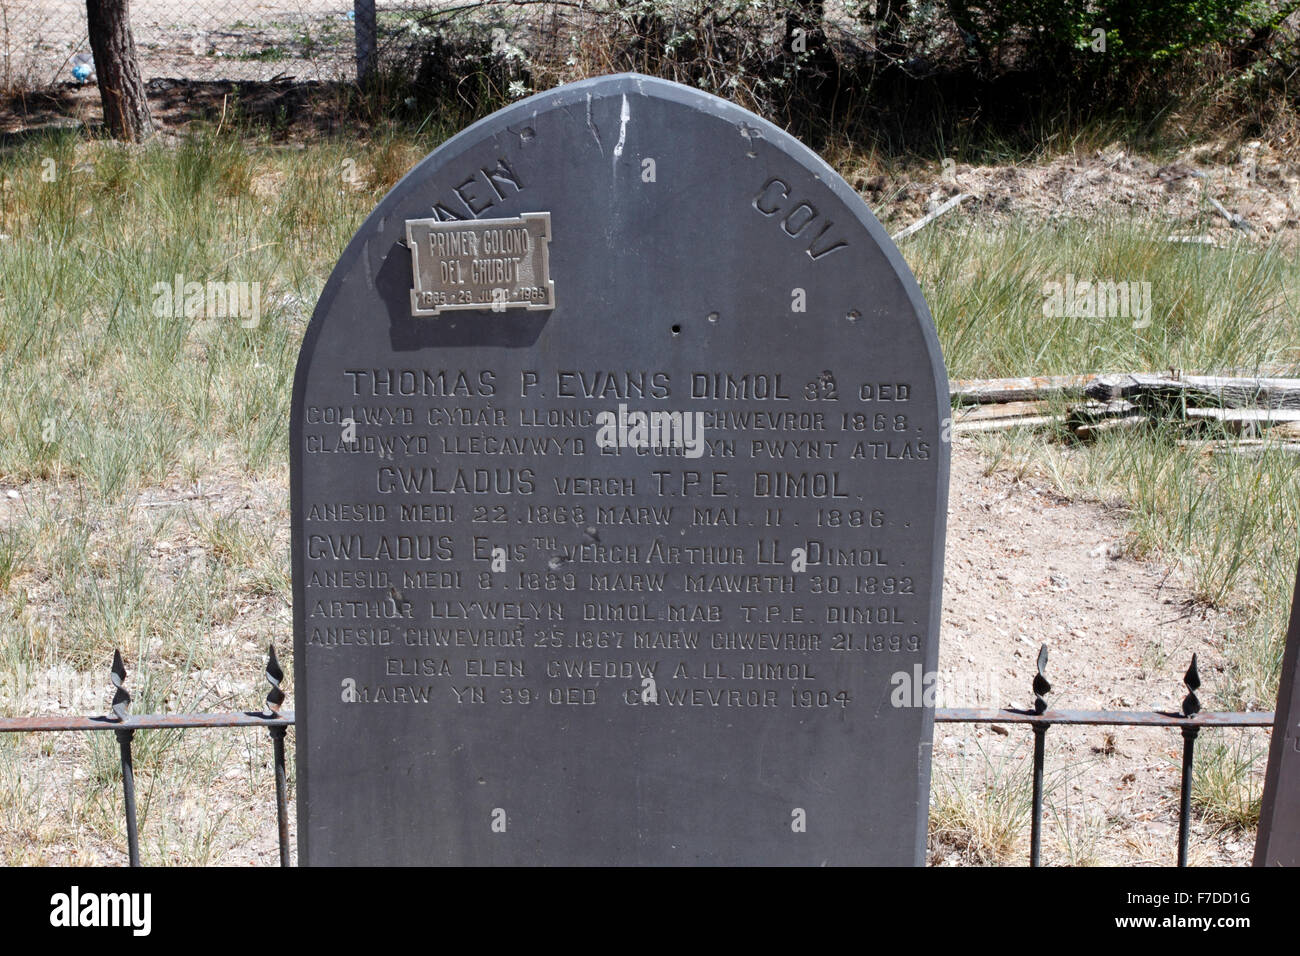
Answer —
(1024, 567)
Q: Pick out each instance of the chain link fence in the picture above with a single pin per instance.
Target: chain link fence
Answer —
(43, 43)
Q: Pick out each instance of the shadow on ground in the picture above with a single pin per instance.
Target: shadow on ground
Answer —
(286, 107)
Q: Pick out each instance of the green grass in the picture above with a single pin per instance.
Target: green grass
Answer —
(116, 422)
(1212, 308)
(1228, 522)
(1227, 786)
(12, 552)
(981, 806)
(268, 54)
(982, 812)
(98, 388)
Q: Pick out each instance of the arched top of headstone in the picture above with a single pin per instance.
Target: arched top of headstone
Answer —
(595, 137)
(619, 474)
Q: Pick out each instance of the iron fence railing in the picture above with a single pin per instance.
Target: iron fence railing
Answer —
(1189, 721)
(124, 725)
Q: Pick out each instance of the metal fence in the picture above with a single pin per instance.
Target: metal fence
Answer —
(1189, 720)
(43, 43)
(124, 725)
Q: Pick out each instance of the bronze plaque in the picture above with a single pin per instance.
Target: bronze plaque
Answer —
(493, 264)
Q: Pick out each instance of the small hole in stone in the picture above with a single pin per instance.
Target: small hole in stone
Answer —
(853, 315)
(677, 330)
(713, 316)
(527, 133)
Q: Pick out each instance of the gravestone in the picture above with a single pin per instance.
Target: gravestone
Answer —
(619, 479)
(1278, 840)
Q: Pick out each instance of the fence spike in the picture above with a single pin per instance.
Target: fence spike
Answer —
(1191, 703)
(1041, 684)
(274, 675)
(274, 698)
(1191, 707)
(117, 674)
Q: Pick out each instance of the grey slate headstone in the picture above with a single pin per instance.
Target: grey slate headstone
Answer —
(1278, 841)
(515, 645)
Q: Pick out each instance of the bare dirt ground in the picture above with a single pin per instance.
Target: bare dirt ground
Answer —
(1256, 180)
(1024, 567)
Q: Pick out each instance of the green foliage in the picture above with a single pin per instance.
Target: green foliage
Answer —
(1018, 70)
(1038, 30)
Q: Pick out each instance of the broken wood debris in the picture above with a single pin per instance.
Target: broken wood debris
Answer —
(1211, 390)
(1238, 221)
(999, 390)
(1089, 405)
(925, 220)
(1242, 446)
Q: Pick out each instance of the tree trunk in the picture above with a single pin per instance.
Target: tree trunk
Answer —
(121, 91)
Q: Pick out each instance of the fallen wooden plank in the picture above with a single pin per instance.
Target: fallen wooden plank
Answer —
(1242, 446)
(1007, 424)
(983, 391)
(1238, 221)
(1238, 390)
(1286, 430)
(1289, 447)
(1258, 416)
(1264, 371)
(1211, 390)
(970, 413)
(924, 221)
(1099, 410)
(1087, 430)
(1089, 419)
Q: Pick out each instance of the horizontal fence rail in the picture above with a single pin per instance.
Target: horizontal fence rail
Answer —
(124, 725)
(1189, 721)
(1104, 718)
(28, 725)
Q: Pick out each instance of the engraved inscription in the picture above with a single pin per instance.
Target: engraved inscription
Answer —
(811, 564)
